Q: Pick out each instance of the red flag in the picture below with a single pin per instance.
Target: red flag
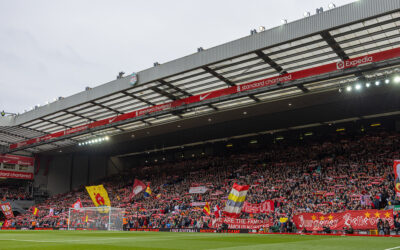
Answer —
(77, 204)
(7, 210)
(138, 186)
(217, 211)
(396, 169)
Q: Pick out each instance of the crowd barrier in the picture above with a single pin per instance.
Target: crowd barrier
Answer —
(369, 233)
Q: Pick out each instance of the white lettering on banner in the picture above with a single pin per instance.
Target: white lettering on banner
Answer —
(241, 223)
(74, 130)
(153, 109)
(198, 190)
(16, 175)
(197, 204)
(265, 82)
(354, 63)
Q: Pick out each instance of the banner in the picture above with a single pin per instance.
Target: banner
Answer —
(235, 200)
(358, 220)
(7, 210)
(260, 208)
(16, 175)
(198, 190)
(17, 159)
(197, 204)
(240, 223)
(99, 195)
(138, 186)
(396, 169)
(319, 70)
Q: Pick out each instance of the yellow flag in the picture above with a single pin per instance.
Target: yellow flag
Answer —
(99, 195)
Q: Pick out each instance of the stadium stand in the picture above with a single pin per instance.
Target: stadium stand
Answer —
(329, 174)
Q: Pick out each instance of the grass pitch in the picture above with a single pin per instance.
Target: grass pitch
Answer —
(161, 240)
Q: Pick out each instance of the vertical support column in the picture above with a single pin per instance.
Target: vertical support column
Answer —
(71, 172)
(88, 171)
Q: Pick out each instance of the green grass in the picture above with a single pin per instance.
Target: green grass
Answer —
(160, 240)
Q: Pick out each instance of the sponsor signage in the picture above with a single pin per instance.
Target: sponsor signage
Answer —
(17, 159)
(281, 79)
(16, 175)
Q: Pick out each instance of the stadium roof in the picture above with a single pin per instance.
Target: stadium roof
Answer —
(362, 28)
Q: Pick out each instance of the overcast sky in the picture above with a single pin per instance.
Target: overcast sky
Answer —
(57, 48)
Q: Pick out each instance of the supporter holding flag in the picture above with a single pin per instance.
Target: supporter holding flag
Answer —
(207, 209)
(217, 211)
(235, 201)
(77, 204)
(99, 195)
(51, 212)
(396, 167)
(35, 211)
(147, 193)
(138, 186)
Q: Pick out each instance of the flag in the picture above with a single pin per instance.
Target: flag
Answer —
(217, 211)
(99, 195)
(51, 212)
(396, 168)
(7, 210)
(235, 200)
(35, 211)
(77, 204)
(207, 209)
(147, 193)
(138, 186)
(158, 196)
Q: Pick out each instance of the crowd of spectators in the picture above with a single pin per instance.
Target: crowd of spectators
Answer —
(327, 175)
(11, 192)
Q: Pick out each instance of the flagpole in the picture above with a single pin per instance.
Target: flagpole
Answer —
(69, 216)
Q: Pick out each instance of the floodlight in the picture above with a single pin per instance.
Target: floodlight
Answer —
(349, 88)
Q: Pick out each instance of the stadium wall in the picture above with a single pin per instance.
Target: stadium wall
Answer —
(60, 174)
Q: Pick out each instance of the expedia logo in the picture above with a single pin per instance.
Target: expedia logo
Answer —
(340, 65)
(354, 63)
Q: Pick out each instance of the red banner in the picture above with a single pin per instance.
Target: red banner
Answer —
(7, 210)
(241, 223)
(261, 208)
(17, 159)
(358, 220)
(396, 169)
(16, 175)
(331, 67)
